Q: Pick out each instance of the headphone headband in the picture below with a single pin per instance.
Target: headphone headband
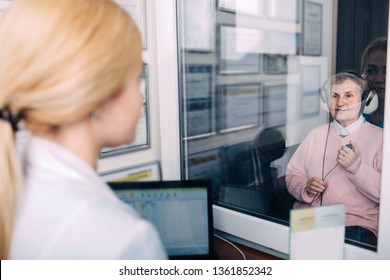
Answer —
(369, 98)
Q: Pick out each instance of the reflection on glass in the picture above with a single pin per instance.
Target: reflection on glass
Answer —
(198, 101)
(373, 64)
(239, 50)
(265, 75)
(239, 107)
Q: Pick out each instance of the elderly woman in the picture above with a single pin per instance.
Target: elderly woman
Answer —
(341, 162)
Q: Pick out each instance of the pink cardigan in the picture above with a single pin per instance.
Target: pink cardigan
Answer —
(357, 187)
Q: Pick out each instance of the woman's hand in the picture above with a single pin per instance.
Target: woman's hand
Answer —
(315, 186)
(347, 156)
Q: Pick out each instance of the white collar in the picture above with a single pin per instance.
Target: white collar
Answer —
(345, 131)
(44, 156)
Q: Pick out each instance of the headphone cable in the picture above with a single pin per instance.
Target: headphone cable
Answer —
(323, 177)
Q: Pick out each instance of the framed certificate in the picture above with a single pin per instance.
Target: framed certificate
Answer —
(227, 5)
(280, 42)
(310, 104)
(198, 20)
(146, 172)
(239, 107)
(206, 165)
(275, 105)
(240, 50)
(198, 101)
(141, 140)
(245, 7)
(312, 29)
(283, 10)
(136, 9)
(310, 83)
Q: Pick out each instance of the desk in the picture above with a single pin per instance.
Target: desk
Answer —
(226, 251)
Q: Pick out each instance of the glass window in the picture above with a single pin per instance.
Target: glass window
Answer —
(251, 74)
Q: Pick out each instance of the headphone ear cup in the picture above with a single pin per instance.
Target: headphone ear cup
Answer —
(325, 106)
(371, 103)
(324, 101)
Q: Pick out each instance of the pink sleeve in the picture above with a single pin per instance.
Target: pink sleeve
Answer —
(296, 178)
(367, 178)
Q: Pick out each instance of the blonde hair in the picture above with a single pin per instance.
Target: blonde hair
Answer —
(60, 60)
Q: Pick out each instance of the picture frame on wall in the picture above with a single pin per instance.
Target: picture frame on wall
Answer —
(206, 164)
(275, 105)
(142, 139)
(310, 96)
(198, 33)
(240, 50)
(243, 7)
(239, 107)
(283, 10)
(199, 101)
(310, 104)
(280, 42)
(227, 5)
(137, 10)
(312, 29)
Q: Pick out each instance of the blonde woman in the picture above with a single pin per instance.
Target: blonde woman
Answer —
(69, 72)
(373, 64)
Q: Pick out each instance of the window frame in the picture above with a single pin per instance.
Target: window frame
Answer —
(261, 234)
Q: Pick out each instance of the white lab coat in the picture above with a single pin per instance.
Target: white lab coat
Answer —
(67, 212)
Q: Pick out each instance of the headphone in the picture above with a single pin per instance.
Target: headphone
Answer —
(369, 98)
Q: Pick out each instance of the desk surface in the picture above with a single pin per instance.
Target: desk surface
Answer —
(226, 251)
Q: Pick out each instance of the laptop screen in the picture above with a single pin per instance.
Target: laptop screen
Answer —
(180, 210)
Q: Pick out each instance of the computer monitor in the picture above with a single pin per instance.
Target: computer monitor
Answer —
(180, 210)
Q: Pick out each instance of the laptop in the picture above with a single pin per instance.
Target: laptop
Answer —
(180, 210)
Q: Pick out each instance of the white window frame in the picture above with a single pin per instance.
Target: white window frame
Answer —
(242, 227)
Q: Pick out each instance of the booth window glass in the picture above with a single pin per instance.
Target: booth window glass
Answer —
(250, 79)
